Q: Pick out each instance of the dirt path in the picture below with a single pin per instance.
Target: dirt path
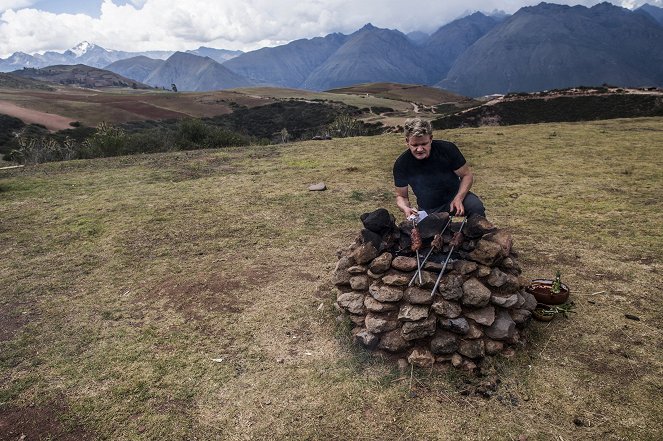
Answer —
(29, 116)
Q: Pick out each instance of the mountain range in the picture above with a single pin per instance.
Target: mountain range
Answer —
(537, 48)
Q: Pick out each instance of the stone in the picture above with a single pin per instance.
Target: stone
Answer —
(417, 296)
(504, 300)
(378, 323)
(512, 283)
(496, 278)
(372, 275)
(464, 266)
(447, 309)
(520, 316)
(472, 348)
(359, 283)
(412, 313)
(357, 269)
(352, 302)
(385, 293)
(521, 301)
(502, 328)
(344, 263)
(419, 329)
(476, 331)
(508, 263)
(428, 280)
(530, 301)
(374, 306)
(444, 342)
(493, 347)
(402, 365)
(320, 186)
(484, 316)
(367, 339)
(450, 287)
(483, 271)
(358, 320)
(433, 224)
(404, 263)
(436, 267)
(458, 325)
(341, 277)
(367, 236)
(393, 341)
(421, 357)
(503, 239)
(486, 252)
(477, 226)
(475, 293)
(396, 278)
(364, 253)
(381, 263)
(457, 360)
(379, 221)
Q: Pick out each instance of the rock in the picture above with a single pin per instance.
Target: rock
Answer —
(530, 301)
(444, 342)
(385, 293)
(344, 263)
(421, 357)
(520, 316)
(396, 278)
(357, 269)
(320, 186)
(367, 339)
(477, 226)
(475, 293)
(457, 361)
(512, 283)
(381, 263)
(483, 271)
(352, 302)
(486, 252)
(404, 263)
(365, 253)
(502, 328)
(372, 275)
(367, 236)
(411, 313)
(493, 347)
(379, 221)
(374, 306)
(521, 301)
(450, 287)
(458, 325)
(341, 277)
(497, 278)
(359, 283)
(504, 300)
(428, 280)
(436, 267)
(393, 341)
(464, 266)
(503, 239)
(476, 331)
(484, 316)
(378, 323)
(447, 309)
(471, 348)
(357, 320)
(417, 296)
(402, 365)
(508, 263)
(432, 224)
(419, 329)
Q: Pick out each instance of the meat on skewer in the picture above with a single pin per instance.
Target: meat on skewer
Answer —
(416, 239)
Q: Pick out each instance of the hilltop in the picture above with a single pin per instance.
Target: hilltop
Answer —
(79, 75)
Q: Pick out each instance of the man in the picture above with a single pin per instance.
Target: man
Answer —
(437, 172)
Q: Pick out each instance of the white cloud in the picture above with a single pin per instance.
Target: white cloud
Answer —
(138, 25)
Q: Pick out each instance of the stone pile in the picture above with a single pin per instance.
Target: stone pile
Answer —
(478, 310)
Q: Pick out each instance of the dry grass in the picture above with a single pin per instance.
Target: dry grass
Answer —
(124, 279)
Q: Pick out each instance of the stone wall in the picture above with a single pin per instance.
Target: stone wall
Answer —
(478, 310)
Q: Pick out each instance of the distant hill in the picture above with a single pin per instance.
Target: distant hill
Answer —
(288, 65)
(79, 75)
(403, 92)
(193, 73)
(653, 11)
(136, 68)
(552, 46)
(9, 81)
(218, 55)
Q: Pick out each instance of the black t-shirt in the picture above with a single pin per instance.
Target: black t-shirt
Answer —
(433, 180)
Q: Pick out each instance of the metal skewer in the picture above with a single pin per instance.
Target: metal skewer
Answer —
(439, 277)
(419, 267)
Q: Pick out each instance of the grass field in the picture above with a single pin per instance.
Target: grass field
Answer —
(187, 295)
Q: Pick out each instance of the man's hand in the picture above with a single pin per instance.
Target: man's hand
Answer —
(456, 207)
(403, 202)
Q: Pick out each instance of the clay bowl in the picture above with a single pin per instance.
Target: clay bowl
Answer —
(540, 289)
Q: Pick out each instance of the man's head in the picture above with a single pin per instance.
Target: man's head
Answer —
(418, 137)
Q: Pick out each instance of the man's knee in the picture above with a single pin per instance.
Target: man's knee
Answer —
(473, 205)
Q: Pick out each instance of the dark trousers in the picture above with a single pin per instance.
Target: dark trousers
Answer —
(472, 204)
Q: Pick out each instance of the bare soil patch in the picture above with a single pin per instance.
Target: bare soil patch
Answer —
(11, 320)
(30, 116)
(40, 423)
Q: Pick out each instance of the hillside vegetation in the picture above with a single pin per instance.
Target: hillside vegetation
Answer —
(186, 295)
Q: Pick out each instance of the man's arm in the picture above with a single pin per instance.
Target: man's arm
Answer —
(403, 201)
(466, 179)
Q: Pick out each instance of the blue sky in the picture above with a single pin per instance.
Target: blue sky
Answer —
(137, 25)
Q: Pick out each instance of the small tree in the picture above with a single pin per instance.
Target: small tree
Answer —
(285, 136)
(173, 87)
(344, 126)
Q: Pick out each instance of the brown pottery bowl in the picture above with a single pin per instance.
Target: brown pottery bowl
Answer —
(541, 290)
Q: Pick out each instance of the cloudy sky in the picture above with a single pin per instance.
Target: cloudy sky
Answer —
(137, 25)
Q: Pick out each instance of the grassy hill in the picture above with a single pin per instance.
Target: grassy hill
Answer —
(186, 295)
